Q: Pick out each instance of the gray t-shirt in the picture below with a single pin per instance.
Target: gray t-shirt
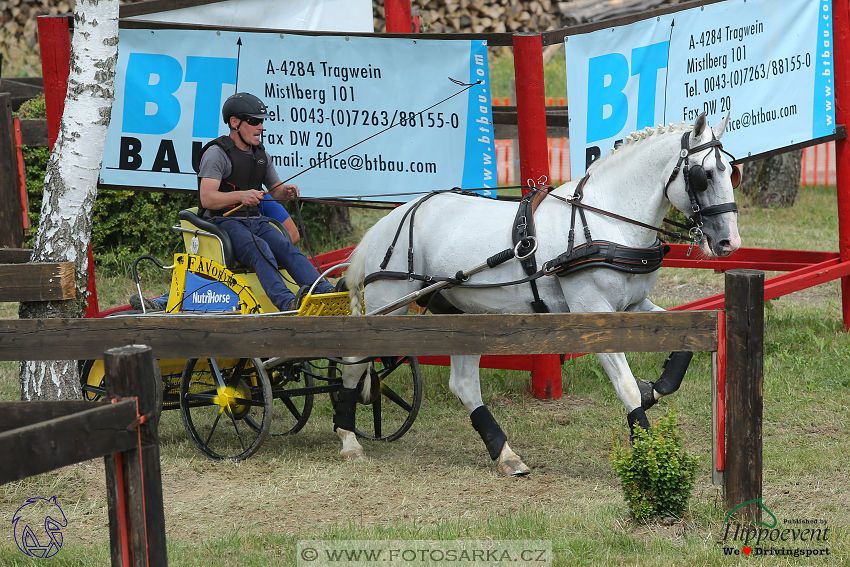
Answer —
(216, 165)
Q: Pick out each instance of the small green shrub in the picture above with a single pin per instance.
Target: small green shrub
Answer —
(656, 473)
(32, 108)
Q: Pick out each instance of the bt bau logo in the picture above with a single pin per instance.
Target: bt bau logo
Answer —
(609, 83)
(158, 98)
(38, 527)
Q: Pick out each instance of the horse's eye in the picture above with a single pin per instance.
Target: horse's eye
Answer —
(709, 174)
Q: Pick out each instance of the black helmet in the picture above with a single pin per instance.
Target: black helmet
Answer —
(241, 105)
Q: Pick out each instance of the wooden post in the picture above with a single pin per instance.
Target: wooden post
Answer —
(534, 166)
(744, 391)
(133, 478)
(11, 228)
(841, 46)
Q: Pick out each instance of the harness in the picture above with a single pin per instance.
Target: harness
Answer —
(696, 182)
(600, 253)
(247, 172)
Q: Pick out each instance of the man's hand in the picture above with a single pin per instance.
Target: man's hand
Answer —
(286, 192)
(251, 197)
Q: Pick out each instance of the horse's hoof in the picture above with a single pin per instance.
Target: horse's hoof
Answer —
(647, 393)
(513, 467)
(353, 455)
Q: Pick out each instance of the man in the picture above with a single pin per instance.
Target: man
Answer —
(268, 208)
(232, 170)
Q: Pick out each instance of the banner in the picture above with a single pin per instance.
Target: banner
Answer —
(767, 63)
(324, 94)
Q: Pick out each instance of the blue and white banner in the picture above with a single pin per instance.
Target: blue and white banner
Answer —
(208, 295)
(768, 63)
(324, 93)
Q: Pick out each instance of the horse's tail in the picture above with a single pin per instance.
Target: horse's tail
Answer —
(356, 274)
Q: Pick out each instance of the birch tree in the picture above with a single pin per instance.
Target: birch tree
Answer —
(70, 184)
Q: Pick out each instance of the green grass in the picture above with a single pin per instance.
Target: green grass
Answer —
(502, 72)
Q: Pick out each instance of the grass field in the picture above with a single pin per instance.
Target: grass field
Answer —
(437, 483)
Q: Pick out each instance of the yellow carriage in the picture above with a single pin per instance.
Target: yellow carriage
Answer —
(230, 405)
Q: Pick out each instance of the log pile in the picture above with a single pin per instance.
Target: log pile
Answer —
(488, 16)
(19, 29)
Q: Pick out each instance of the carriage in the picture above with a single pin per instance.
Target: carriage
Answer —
(229, 406)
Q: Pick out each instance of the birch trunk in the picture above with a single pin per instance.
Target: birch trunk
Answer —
(70, 184)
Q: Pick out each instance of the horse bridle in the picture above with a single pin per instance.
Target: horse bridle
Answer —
(696, 182)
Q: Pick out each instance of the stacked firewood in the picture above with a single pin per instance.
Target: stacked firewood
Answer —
(19, 31)
(486, 16)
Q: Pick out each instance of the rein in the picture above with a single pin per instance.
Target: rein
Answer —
(673, 234)
(592, 252)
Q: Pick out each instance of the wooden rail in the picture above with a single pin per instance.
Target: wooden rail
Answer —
(173, 336)
(36, 437)
(21, 281)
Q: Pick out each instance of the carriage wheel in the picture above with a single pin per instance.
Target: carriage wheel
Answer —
(290, 412)
(95, 390)
(93, 382)
(226, 406)
(388, 416)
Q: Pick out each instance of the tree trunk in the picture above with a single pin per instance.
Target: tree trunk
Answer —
(773, 182)
(70, 184)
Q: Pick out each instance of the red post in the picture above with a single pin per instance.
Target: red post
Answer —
(841, 43)
(22, 178)
(534, 167)
(54, 39)
(398, 17)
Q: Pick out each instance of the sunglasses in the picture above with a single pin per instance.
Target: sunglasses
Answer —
(253, 121)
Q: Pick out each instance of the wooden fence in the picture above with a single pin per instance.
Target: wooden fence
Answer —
(38, 437)
(735, 335)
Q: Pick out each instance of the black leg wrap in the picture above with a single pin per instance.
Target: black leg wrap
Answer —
(647, 394)
(344, 410)
(492, 435)
(674, 370)
(637, 418)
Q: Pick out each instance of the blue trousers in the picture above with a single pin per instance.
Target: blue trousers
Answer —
(260, 244)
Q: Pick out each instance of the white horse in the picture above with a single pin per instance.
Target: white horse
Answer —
(682, 165)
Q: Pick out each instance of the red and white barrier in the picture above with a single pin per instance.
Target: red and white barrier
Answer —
(818, 167)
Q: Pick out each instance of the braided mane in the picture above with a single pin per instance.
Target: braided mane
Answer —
(636, 137)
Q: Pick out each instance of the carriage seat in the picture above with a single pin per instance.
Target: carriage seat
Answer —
(223, 248)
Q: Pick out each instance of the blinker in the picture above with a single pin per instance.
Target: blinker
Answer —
(698, 178)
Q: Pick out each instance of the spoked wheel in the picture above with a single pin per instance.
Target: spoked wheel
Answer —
(395, 398)
(93, 382)
(291, 408)
(226, 406)
(91, 379)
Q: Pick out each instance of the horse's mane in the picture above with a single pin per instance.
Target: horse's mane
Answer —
(636, 137)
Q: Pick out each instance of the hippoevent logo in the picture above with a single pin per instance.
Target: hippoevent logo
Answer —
(37, 527)
(797, 537)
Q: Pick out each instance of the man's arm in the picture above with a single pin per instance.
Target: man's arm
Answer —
(290, 227)
(213, 199)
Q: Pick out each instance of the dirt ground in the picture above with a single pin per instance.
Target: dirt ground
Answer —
(298, 486)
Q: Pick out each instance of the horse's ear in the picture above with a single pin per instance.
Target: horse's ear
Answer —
(700, 126)
(720, 127)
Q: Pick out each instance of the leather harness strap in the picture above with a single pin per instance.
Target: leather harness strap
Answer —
(523, 232)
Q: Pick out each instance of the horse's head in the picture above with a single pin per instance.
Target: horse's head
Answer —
(701, 185)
